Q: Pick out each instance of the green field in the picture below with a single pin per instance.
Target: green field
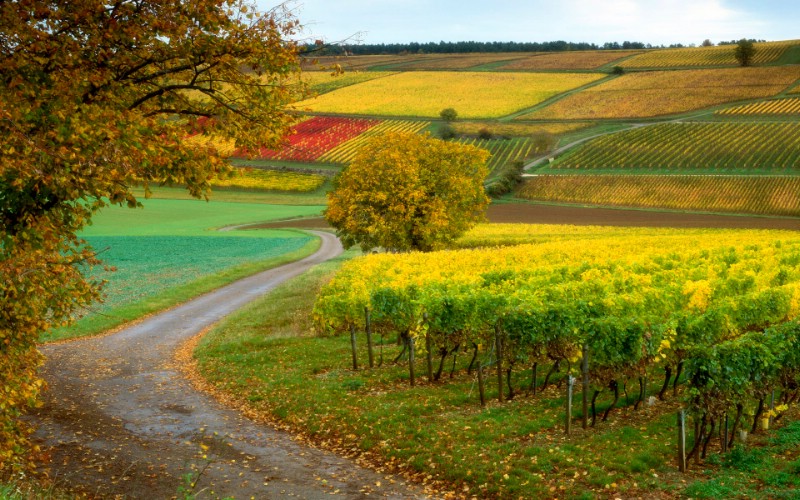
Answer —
(172, 250)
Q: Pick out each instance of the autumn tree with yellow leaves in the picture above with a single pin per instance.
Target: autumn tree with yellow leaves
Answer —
(96, 94)
(408, 192)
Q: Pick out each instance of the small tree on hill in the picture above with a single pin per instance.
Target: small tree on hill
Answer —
(448, 114)
(408, 192)
(744, 52)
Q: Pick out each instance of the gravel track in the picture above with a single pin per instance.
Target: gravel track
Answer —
(121, 421)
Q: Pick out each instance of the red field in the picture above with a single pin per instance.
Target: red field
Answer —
(314, 137)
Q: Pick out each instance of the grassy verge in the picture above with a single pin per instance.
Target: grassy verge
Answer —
(108, 320)
(238, 196)
(438, 432)
(171, 251)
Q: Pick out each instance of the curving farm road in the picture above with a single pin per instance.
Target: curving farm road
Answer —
(121, 422)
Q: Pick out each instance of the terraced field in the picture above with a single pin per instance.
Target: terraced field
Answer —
(662, 93)
(722, 55)
(426, 93)
(589, 59)
(774, 107)
(726, 194)
(691, 147)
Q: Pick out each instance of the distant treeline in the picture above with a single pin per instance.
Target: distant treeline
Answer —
(465, 47)
(470, 47)
(321, 49)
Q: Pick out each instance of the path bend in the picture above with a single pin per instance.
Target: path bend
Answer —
(121, 421)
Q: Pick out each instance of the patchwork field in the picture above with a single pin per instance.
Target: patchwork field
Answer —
(725, 194)
(587, 60)
(345, 152)
(775, 107)
(659, 93)
(722, 55)
(321, 82)
(425, 94)
(685, 147)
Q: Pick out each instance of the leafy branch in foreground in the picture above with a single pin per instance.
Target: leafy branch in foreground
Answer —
(98, 94)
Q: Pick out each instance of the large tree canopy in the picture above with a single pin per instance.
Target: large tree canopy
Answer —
(409, 192)
(98, 94)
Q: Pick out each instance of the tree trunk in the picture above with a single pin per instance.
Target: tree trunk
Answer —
(454, 352)
(443, 354)
(614, 386)
(759, 411)
(553, 369)
(474, 357)
(667, 376)
(404, 339)
(699, 434)
(708, 439)
(739, 409)
(678, 372)
(533, 378)
(594, 408)
(641, 394)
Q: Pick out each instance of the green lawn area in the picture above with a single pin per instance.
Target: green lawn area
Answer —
(172, 250)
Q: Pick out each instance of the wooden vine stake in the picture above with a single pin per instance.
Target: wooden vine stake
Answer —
(585, 383)
(498, 342)
(682, 441)
(369, 338)
(568, 418)
(411, 360)
(428, 357)
(481, 389)
(353, 346)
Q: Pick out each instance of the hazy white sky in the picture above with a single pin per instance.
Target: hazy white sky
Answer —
(655, 22)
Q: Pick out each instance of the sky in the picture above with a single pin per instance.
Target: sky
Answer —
(656, 22)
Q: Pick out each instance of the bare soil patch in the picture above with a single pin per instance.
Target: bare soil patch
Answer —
(529, 213)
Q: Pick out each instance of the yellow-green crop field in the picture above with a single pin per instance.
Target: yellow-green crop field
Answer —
(426, 93)
(356, 63)
(772, 107)
(271, 180)
(456, 61)
(585, 59)
(516, 129)
(707, 56)
(321, 82)
(657, 93)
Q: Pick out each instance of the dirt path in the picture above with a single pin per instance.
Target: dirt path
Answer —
(530, 213)
(122, 422)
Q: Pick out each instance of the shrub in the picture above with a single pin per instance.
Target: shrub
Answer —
(448, 114)
(447, 131)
